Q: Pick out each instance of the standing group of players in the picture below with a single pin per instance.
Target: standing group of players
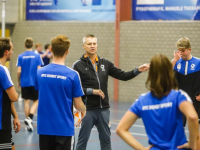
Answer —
(60, 88)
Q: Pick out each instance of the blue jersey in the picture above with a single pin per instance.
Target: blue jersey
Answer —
(187, 73)
(57, 86)
(5, 103)
(162, 119)
(45, 59)
(28, 61)
(186, 67)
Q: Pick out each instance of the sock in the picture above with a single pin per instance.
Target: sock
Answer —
(31, 116)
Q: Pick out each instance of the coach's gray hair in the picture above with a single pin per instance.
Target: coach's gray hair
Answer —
(88, 35)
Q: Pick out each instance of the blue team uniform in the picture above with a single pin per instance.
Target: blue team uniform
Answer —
(57, 86)
(28, 61)
(162, 119)
(45, 59)
(187, 73)
(5, 103)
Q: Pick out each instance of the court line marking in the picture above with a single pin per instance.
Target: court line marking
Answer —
(140, 126)
(130, 132)
(135, 125)
(35, 122)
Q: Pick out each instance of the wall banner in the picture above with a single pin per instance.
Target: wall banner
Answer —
(61, 10)
(166, 9)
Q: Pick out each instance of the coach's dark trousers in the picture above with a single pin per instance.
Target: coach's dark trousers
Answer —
(100, 118)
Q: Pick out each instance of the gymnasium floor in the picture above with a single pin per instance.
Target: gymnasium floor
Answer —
(25, 140)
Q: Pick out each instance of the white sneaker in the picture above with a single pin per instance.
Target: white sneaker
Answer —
(28, 122)
(27, 128)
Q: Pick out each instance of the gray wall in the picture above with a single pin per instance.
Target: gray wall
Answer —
(139, 42)
(12, 9)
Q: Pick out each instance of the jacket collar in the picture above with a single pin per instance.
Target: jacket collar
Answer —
(84, 57)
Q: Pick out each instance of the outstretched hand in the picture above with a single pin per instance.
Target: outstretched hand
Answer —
(144, 67)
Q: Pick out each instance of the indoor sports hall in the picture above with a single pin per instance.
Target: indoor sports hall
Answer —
(129, 34)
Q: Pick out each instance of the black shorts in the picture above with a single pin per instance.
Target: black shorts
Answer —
(12, 141)
(5, 140)
(29, 93)
(51, 142)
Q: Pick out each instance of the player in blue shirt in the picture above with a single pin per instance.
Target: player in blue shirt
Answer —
(8, 95)
(27, 65)
(59, 87)
(161, 111)
(47, 55)
(187, 72)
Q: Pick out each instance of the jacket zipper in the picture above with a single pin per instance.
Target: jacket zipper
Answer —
(186, 67)
(97, 80)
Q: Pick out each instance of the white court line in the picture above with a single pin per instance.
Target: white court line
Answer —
(139, 126)
(130, 132)
(22, 113)
(35, 122)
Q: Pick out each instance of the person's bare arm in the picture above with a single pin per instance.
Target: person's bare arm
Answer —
(45, 54)
(50, 55)
(12, 94)
(79, 105)
(19, 69)
(123, 131)
(16, 121)
(188, 110)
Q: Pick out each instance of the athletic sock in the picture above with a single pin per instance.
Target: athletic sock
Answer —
(31, 116)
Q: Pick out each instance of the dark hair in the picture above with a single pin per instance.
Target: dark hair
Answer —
(161, 78)
(60, 44)
(4, 45)
(46, 46)
(28, 42)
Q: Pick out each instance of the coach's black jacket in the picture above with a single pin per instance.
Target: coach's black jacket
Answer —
(99, 80)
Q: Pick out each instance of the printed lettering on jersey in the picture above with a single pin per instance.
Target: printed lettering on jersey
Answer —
(179, 66)
(192, 67)
(102, 67)
(28, 57)
(53, 76)
(157, 106)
